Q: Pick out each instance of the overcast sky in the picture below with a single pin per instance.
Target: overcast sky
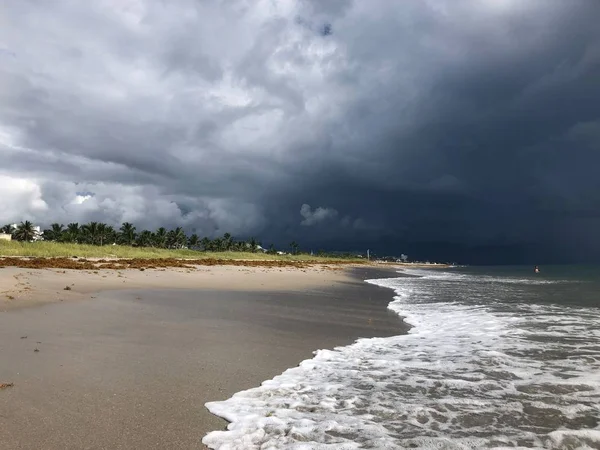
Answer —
(454, 129)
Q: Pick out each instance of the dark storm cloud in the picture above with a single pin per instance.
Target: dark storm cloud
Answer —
(456, 129)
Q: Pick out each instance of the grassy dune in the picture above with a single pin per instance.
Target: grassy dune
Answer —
(54, 250)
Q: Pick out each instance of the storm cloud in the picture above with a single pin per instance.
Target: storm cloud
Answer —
(454, 129)
(320, 214)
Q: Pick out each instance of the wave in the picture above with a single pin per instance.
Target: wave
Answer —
(462, 277)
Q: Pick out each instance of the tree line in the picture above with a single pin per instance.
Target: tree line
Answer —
(98, 233)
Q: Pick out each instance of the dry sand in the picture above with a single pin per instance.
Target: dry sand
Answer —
(22, 287)
(133, 367)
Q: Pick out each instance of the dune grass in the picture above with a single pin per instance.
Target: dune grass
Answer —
(55, 249)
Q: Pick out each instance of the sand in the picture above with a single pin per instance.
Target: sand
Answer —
(133, 366)
(22, 287)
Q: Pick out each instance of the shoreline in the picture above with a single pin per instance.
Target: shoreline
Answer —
(133, 368)
(39, 281)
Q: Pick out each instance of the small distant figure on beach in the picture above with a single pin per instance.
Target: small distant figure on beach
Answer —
(536, 269)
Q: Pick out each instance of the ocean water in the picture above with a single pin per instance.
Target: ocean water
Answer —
(496, 358)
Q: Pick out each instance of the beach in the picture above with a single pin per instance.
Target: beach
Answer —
(128, 358)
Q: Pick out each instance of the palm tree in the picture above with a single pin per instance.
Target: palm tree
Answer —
(227, 242)
(193, 241)
(55, 233)
(216, 245)
(6, 229)
(72, 233)
(206, 243)
(144, 239)
(176, 238)
(181, 239)
(90, 232)
(106, 234)
(160, 237)
(127, 234)
(101, 233)
(25, 232)
(253, 245)
(294, 246)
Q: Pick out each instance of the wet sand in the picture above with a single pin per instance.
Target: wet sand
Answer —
(132, 369)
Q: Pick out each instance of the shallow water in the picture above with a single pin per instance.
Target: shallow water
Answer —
(496, 358)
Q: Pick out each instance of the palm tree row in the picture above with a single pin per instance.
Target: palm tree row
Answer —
(97, 233)
(25, 231)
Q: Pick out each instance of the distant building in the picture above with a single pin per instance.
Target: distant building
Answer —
(5, 237)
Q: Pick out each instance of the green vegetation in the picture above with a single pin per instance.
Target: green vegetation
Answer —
(24, 232)
(44, 249)
(99, 240)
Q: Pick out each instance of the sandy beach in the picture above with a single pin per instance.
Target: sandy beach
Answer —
(127, 359)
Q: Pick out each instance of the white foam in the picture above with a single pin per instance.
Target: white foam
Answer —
(468, 375)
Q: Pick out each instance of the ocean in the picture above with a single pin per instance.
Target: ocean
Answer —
(497, 357)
